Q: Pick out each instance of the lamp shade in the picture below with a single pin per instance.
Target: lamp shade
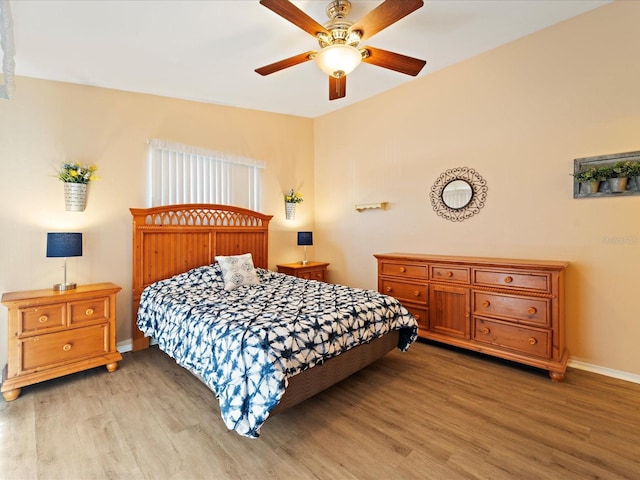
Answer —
(338, 60)
(305, 238)
(64, 245)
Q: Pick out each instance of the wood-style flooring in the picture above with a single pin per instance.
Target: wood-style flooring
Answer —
(431, 413)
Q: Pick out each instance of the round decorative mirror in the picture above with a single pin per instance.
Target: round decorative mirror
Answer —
(458, 194)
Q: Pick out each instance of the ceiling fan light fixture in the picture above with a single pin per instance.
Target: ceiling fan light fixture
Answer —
(338, 60)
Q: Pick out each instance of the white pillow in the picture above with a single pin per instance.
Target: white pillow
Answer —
(237, 270)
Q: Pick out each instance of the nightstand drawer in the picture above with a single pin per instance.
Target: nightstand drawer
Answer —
(312, 275)
(95, 309)
(42, 318)
(45, 351)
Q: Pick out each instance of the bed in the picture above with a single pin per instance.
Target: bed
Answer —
(182, 298)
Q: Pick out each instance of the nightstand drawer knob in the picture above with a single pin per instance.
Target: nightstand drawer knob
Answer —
(508, 279)
(402, 269)
(533, 341)
(486, 303)
(88, 312)
(532, 310)
(448, 274)
(416, 293)
(66, 347)
(43, 318)
(417, 317)
(486, 330)
(388, 289)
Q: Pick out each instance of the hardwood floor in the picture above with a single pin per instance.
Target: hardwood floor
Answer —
(430, 413)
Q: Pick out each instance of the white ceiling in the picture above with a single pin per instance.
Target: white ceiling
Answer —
(207, 50)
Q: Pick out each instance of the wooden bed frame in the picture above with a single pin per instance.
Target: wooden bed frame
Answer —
(172, 239)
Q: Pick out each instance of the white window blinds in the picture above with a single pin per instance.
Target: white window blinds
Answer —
(185, 174)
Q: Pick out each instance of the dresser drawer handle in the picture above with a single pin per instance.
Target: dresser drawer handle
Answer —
(402, 269)
(533, 341)
(532, 310)
(486, 330)
(416, 293)
(66, 347)
(448, 274)
(508, 279)
(88, 312)
(388, 289)
(43, 318)
(486, 303)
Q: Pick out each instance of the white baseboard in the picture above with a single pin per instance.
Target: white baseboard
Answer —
(608, 372)
(125, 346)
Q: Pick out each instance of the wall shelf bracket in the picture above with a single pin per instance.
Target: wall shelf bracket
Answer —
(367, 206)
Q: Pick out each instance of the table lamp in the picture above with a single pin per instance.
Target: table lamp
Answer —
(305, 239)
(64, 245)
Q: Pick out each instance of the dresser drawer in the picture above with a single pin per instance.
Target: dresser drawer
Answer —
(411, 292)
(525, 340)
(43, 318)
(45, 351)
(89, 311)
(521, 309)
(397, 269)
(444, 273)
(515, 279)
(421, 315)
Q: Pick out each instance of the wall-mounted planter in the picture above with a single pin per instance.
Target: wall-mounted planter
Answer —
(618, 187)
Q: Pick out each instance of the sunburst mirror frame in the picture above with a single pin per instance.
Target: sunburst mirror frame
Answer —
(479, 194)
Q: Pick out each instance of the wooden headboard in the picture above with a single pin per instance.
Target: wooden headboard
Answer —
(172, 239)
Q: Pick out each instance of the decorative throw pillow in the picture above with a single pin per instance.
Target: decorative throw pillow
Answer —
(237, 270)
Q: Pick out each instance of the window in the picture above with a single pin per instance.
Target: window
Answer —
(184, 174)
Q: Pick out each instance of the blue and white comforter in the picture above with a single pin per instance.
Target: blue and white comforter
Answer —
(246, 342)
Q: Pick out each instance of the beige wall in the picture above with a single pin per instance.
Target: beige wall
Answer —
(519, 115)
(49, 122)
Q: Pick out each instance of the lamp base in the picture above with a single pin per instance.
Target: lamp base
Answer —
(60, 287)
(303, 262)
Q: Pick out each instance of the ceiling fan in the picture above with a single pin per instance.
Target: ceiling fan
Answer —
(339, 40)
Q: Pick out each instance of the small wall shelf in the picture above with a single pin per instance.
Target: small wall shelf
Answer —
(366, 206)
(580, 164)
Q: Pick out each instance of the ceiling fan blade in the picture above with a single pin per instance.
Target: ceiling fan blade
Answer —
(385, 14)
(337, 87)
(393, 61)
(289, 11)
(286, 63)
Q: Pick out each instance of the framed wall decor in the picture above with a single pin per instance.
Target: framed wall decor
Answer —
(617, 174)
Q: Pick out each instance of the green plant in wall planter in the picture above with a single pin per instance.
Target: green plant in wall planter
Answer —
(590, 179)
(634, 172)
(618, 176)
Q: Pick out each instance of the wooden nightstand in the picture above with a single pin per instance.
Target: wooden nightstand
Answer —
(310, 271)
(55, 333)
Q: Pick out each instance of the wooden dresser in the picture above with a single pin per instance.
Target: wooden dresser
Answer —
(513, 309)
(309, 271)
(54, 333)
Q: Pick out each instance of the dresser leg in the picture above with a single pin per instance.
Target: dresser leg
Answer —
(112, 367)
(11, 395)
(556, 376)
